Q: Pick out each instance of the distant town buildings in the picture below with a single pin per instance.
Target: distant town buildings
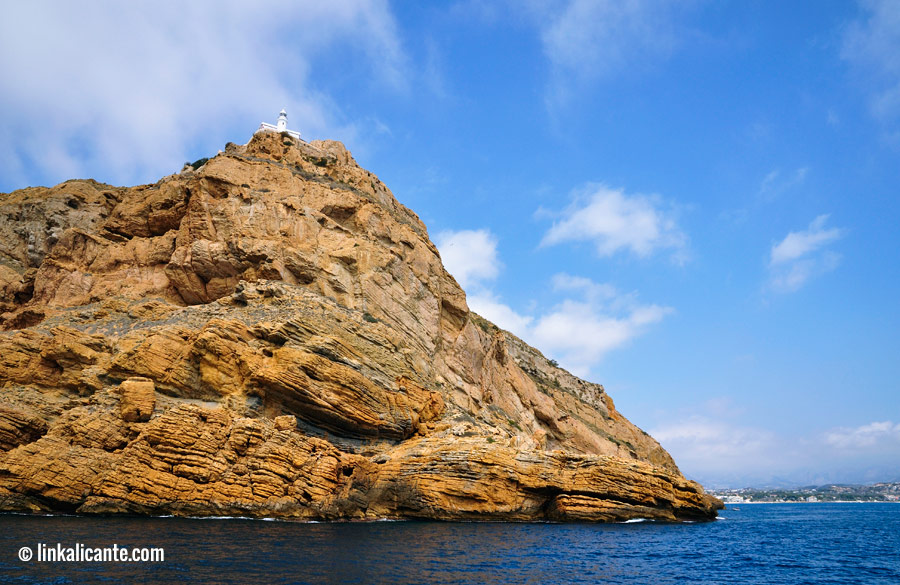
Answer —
(733, 499)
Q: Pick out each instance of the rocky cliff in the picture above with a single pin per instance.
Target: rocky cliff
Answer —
(272, 334)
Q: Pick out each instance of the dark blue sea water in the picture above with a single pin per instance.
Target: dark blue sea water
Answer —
(752, 544)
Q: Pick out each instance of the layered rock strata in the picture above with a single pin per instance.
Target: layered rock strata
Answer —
(273, 334)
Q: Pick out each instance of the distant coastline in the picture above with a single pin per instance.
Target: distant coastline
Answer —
(732, 504)
(884, 492)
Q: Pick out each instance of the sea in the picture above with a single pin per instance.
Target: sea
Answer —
(771, 544)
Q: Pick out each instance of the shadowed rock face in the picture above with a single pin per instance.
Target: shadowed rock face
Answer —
(273, 334)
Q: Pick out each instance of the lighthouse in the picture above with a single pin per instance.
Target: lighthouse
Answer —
(280, 126)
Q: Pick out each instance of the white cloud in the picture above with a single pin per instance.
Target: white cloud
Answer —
(592, 290)
(581, 332)
(801, 256)
(870, 436)
(717, 444)
(469, 255)
(872, 45)
(130, 89)
(720, 451)
(712, 444)
(615, 221)
(591, 320)
(486, 304)
(798, 244)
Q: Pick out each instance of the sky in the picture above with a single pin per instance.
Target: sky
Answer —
(695, 204)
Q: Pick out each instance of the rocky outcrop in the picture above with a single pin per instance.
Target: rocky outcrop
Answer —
(273, 334)
(137, 399)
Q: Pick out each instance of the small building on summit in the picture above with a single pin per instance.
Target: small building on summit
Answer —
(280, 126)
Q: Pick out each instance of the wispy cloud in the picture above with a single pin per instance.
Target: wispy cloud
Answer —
(433, 73)
(614, 221)
(776, 182)
(701, 441)
(131, 88)
(803, 243)
(588, 40)
(871, 45)
(802, 255)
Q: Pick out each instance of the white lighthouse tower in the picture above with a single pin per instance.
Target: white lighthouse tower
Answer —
(280, 126)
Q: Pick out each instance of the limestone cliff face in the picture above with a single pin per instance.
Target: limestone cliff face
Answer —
(273, 334)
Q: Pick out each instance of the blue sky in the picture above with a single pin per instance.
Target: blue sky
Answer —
(693, 203)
